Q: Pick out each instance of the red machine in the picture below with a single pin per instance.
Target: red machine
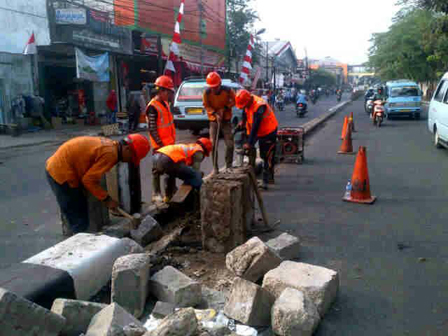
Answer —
(291, 144)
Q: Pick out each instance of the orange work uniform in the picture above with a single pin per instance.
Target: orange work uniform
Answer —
(268, 123)
(225, 99)
(82, 161)
(166, 130)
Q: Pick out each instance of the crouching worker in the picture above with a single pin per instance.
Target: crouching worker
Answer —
(77, 167)
(181, 161)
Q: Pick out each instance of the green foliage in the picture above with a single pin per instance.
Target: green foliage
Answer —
(410, 49)
(240, 20)
(432, 5)
(322, 77)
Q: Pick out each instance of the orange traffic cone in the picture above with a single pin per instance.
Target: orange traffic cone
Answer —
(344, 128)
(347, 147)
(360, 192)
(352, 122)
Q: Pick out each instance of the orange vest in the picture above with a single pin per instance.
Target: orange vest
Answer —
(181, 153)
(165, 125)
(269, 121)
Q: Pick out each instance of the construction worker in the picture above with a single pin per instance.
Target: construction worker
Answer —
(182, 161)
(79, 164)
(160, 124)
(218, 101)
(261, 125)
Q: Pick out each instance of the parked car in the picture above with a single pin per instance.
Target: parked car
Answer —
(404, 97)
(188, 110)
(438, 114)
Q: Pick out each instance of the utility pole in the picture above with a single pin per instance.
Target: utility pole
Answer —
(201, 18)
(267, 62)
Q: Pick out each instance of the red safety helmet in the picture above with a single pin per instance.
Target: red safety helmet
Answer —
(139, 145)
(206, 144)
(165, 82)
(213, 79)
(242, 99)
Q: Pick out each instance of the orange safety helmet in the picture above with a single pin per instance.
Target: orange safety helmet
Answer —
(139, 145)
(242, 99)
(206, 144)
(165, 82)
(213, 79)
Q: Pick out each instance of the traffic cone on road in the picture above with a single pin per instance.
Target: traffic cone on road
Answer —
(360, 192)
(347, 147)
(352, 122)
(344, 128)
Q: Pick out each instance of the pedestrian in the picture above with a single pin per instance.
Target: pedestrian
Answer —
(218, 101)
(160, 125)
(77, 167)
(261, 125)
(111, 103)
(181, 161)
(133, 108)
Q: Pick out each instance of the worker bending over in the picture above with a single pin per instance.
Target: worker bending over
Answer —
(261, 125)
(160, 124)
(182, 161)
(79, 164)
(218, 101)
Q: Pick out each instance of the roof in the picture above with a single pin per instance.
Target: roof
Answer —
(279, 49)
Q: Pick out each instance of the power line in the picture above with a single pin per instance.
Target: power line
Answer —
(24, 13)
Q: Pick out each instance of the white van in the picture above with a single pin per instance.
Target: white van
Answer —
(438, 113)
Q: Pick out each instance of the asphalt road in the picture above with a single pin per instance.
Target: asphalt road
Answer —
(385, 286)
(28, 209)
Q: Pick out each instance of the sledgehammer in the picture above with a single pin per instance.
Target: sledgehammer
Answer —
(135, 218)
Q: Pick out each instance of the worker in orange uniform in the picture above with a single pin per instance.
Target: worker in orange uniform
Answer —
(162, 131)
(261, 125)
(182, 161)
(218, 101)
(79, 164)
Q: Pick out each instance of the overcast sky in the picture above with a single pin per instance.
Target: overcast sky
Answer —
(337, 28)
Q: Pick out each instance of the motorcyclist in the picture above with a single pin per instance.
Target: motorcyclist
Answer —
(279, 100)
(379, 95)
(302, 98)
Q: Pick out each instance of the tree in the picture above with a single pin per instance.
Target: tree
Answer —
(322, 77)
(240, 20)
(432, 5)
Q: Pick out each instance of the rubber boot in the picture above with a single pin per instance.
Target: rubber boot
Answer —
(170, 188)
(229, 157)
(265, 182)
(156, 190)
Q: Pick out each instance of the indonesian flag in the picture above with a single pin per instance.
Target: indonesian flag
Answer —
(174, 46)
(247, 62)
(30, 48)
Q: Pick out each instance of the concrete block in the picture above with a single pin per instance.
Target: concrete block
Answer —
(252, 260)
(171, 285)
(130, 276)
(249, 304)
(87, 258)
(294, 313)
(222, 213)
(132, 247)
(111, 321)
(181, 323)
(286, 246)
(148, 231)
(319, 283)
(134, 330)
(163, 309)
(77, 314)
(19, 316)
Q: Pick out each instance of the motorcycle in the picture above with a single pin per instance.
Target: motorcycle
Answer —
(338, 97)
(280, 105)
(369, 107)
(378, 113)
(301, 109)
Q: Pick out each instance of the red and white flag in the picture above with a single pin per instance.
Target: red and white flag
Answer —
(30, 48)
(174, 46)
(247, 62)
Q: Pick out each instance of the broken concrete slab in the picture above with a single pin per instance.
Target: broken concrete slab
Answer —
(111, 321)
(132, 246)
(294, 313)
(286, 246)
(171, 285)
(249, 304)
(319, 283)
(148, 231)
(222, 214)
(134, 330)
(130, 277)
(163, 309)
(20, 316)
(212, 299)
(252, 260)
(181, 323)
(77, 314)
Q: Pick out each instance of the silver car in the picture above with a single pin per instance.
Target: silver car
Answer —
(188, 110)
